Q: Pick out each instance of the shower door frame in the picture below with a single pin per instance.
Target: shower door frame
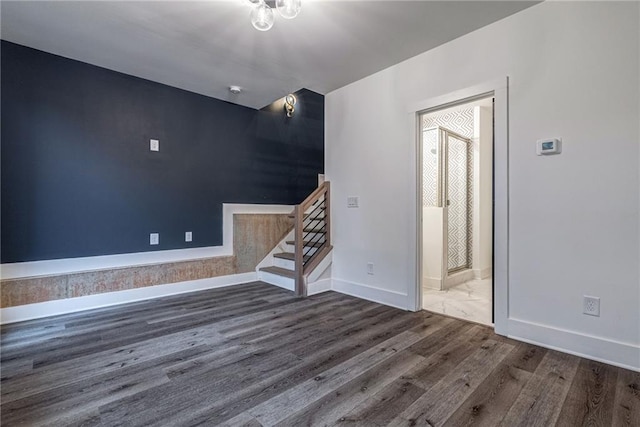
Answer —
(446, 271)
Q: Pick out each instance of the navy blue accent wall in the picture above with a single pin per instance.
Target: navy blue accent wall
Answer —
(78, 178)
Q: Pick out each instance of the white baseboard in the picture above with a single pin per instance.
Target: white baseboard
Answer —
(483, 273)
(623, 355)
(277, 280)
(317, 287)
(71, 305)
(458, 278)
(382, 296)
(432, 283)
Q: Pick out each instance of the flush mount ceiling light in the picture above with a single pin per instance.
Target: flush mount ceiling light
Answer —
(262, 15)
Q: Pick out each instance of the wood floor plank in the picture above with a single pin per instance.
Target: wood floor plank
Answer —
(16, 368)
(340, 401)
(87, 395)
(360, 339)
(313, 328)
(255, 354)
(626, 406)
(373, 327)
(240, 301)
(62, 373)
(55, 354)
(442, 400)
(242, 420)
(241, 324)
(590, 398)
(383, 407)
(140, 307)
(491, 401)
(444, 358)
(84, 331)
(432, 343)
(173, 403)
(314, 321)
(87, 339)
(295, 399)
(541, 400)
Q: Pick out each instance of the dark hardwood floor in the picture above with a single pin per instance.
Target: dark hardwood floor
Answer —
(253, 355)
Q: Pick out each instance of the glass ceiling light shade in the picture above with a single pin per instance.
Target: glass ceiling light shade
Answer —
(289, 104)
(262, 17)
(289, 9)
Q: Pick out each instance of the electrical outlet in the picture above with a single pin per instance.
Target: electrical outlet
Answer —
(154, 145)
(154, 238)
(352, 202)
(370, 268)
(591, 305)
(188, 236)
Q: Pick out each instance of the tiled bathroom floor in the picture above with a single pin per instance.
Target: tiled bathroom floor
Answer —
(470, 301)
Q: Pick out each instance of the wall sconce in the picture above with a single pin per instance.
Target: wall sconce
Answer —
(289, 103)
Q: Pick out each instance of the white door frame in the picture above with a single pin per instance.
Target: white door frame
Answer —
(499, 90)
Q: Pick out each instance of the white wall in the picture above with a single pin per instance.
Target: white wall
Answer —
(482, 191)
(573, 218)
(432, 247)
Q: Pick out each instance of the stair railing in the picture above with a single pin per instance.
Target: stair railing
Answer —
(312, 232)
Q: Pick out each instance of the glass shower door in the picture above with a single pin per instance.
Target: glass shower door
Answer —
(458, 200)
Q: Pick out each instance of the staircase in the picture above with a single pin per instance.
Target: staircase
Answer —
(304, 256)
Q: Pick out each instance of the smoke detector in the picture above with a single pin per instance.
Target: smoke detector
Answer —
(235, 89)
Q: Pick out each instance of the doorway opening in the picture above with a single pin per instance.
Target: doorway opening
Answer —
(456, 178)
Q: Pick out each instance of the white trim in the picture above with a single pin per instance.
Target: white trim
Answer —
(71, 305)
(75, 265)
(458, 278)
(458, 95)
(323, 285)
(621, 354)
(499, 90)
(382, 296)
(322, 266)
(434, 283)
(481, 274)
(283, 282)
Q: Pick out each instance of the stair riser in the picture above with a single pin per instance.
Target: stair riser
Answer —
(284, 263)
(292, 249)
(274, 279)
(313, 237)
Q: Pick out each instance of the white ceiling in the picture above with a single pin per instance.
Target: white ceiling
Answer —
(205, 46)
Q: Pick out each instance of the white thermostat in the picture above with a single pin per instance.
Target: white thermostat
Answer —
(548, 146)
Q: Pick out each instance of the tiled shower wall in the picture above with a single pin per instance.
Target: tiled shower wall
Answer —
(460, 220)
(458, 121)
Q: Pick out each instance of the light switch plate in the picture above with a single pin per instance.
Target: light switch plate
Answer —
(154, 145)
(352, 202)
(370, 268)
(188, 236)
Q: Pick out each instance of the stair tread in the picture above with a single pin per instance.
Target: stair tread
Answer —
(280, 271)
(290, 256)
(314, 230)
(306, 243)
